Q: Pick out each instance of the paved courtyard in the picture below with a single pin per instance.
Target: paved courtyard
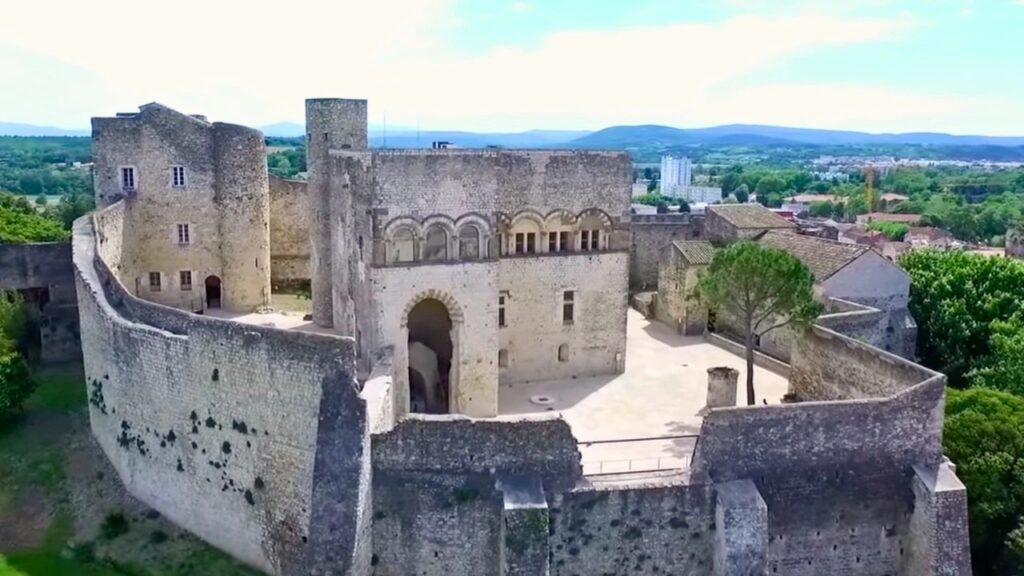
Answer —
(661, 393)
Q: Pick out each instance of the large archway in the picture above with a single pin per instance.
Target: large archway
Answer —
(430, 357)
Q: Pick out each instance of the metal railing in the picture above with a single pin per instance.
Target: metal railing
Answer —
(641, 465)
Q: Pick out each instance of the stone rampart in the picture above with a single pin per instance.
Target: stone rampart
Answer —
(651, 234)
(637, 530)
(253, 438)
(438, 508)
(289, 231)
(836, 476)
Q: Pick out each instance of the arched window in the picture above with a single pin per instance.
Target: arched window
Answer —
(403, 246)
(436, 247)
(469, 242)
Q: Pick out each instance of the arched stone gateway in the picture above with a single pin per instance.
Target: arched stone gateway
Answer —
(431, 322)
(213, 291)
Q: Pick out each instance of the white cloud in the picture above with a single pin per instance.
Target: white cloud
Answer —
(520, 7)
(236, 62)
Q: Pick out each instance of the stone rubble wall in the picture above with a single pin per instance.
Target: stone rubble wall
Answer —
(289, 231)
(252, 438)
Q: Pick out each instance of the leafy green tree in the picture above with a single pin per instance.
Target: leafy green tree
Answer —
(983, 435)
(821, 209)
(894, 231)
(857, 205)
(762, 288)
(41, 200)
(16, 383)
(800, 181)
(21, 222)
(770, 184)
(962, 224)
(742, 194)
(959, 300)
(652, 199)
(729, 182)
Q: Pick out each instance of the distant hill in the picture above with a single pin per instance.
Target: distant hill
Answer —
(653, 136)
(16, 129)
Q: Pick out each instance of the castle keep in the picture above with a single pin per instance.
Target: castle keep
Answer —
(455, 406)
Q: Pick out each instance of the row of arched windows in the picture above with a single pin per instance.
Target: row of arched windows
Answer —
(470, 239)
(435, 244)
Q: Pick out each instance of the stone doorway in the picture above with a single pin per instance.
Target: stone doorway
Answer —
(213, 292)
(430, 357)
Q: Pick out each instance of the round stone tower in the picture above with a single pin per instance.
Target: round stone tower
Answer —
(331, 124)
(242, 198)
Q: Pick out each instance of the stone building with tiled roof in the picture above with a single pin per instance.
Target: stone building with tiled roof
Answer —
(852, 273)
(728, 222)
(680, 265)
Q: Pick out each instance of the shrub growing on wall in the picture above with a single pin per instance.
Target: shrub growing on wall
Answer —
(16, 383)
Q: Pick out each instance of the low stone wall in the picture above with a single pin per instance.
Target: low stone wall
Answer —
(826, 365)
(254, 439)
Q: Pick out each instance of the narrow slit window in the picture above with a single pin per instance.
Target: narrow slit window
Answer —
(568, 306)
(501, 311)
(595, 239)
(552, 241)
(520, 243)
(531, 243)
(563, 241)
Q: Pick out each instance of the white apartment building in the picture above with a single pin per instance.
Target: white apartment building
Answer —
(676, 173)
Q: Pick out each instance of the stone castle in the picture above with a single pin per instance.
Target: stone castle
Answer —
(381, 437)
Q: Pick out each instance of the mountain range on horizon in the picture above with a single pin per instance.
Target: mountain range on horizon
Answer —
(616, 137)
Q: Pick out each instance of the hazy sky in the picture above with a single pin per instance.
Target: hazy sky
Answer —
(876, 65)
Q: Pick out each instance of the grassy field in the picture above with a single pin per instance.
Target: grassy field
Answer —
(63, 510)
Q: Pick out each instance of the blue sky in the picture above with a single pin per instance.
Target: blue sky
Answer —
(876, 65)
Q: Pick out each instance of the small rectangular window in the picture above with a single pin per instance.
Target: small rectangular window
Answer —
(184, 237)
(595, 239)
(154, 281)
(552, 241)
(585, 240)
(531, 243)
(563, 241)
(502, 358)
(128, 179)
(501, 311)
(568, 304)
(520, 243)
(178, 176)
(185, 277)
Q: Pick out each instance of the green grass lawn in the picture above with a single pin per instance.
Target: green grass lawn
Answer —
(34, 468)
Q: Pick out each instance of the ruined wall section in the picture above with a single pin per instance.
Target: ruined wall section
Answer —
(179, 404)
(595, 341)
(650, 235)
(437, 505)
(45, 266)
(289, 231)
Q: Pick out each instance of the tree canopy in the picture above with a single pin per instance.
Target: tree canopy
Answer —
(984, 436)
(762, 288)
(21, 222)
(968, 309)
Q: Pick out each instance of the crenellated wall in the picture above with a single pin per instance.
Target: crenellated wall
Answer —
(181, 405)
